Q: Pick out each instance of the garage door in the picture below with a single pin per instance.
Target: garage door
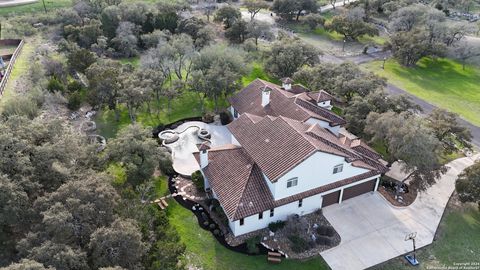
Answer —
(331, 198)
(358, 189)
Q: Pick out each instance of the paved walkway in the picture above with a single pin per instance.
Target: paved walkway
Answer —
(373, 231)
(182, 150)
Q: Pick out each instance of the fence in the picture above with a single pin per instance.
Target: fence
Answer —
(12, 59)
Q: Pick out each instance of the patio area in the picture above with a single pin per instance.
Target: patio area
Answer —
(182, 149)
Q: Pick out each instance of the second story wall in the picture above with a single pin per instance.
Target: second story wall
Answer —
(315, 171)
(312, 121)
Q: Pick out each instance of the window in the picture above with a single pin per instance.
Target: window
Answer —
(235, 113)
(338, 168)
(300, 202)
(292, 182)
(272, 212)
(242, 221)
(260, 215)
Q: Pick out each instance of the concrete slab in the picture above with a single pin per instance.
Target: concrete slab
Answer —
(182, 150)
(373, 231)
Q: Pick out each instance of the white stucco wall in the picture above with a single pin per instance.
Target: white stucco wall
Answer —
(315, 171)
(311, 121)
(309, 205)
(325, 104)
(252, 223)
(232, 111)
(234, 141)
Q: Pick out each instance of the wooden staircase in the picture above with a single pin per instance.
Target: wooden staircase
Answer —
(274, 257)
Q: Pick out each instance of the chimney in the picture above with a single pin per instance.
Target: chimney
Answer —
(266, 96)
(203, 154)
(287, 83)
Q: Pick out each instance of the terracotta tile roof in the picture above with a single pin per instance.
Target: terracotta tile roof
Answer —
(298, 89)
(316, 111)
(320, 96)
(237, 181)
(272, 143)
(241, 188)
(282, 103)
(277, 144)
(287, 80)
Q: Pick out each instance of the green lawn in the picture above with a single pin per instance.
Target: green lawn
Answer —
(35, 7)
(205, 252)
(20, 68)
(458, 241)
(441, 82)
(185, 106)
(257, 72)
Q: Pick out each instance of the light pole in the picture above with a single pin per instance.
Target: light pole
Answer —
(343, 48)
(383, 65)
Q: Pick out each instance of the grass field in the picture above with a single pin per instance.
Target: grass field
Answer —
(441, 82)
(35, 7)
(458, 242)
(205, 252)
(185, 106)
(20, 68)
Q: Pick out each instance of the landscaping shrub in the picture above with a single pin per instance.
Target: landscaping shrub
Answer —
(275, 226)
(212, 226)
(325, 230)
(252, 244)
(323, 241)
(74, 101)
(197, 179)
(165, 162)
(298, 244)
(206, 223)
(226, 117)
(216, 232)
(21, 105)
(55, 85)
(74, 86)
(208, 117)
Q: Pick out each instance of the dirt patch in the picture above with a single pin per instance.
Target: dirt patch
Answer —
(408, 198)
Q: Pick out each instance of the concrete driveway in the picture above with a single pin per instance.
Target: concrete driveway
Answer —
(373, 231)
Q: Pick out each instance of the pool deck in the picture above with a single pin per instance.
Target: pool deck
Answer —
(184, 162)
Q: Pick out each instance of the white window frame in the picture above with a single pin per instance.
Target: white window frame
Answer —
(338, 168)
(292, 182)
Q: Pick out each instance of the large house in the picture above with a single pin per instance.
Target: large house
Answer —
(288, 156)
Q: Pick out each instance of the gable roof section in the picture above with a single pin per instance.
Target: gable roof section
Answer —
(278, 144)
(237, 181)
(282, 103)
(272, 143)
(320, 96)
